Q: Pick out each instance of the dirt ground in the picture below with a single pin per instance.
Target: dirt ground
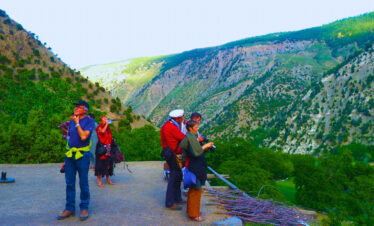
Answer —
(38, 196)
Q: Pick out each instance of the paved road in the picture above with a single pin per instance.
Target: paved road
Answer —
(38, 195)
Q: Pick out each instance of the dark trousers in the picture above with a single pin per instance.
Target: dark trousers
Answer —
(173, 192)
(72, 166)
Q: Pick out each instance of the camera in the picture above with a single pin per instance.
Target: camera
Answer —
(212, 149)
(206, 140)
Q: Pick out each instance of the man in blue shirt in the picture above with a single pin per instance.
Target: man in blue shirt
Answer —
(78, 159)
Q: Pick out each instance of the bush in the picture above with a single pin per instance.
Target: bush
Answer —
(4, 60)
(124, 123)
(335, 183)
(19, 27)
(55, 74)
(43, 76)
(113, 108)
(36, 52)
(7, 21)
(142, 144)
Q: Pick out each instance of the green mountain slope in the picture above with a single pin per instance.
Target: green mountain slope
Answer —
(251, 87)
(37, 92)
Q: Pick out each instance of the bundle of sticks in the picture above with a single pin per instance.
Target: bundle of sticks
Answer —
(255, 210)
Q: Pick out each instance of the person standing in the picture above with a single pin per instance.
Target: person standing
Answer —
(171, 136)
(104, 163)
(196, 116)
(65, 136)
(65, 126)
(77, 159)
(94, 140)
(196, 164)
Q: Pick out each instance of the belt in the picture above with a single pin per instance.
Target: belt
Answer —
(77, 151)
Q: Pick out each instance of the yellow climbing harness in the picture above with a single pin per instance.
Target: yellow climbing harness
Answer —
(77, 151)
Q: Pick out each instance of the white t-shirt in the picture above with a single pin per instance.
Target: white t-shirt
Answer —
(183, 128)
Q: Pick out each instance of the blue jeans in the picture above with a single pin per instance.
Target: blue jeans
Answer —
(71, 167)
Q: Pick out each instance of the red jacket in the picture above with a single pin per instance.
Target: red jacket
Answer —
(171, 136)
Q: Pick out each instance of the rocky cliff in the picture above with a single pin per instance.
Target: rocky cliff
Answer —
(267, 88)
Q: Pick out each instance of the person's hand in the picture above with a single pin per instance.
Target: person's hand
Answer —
(76, 119)
(208, 145)
(200, 139)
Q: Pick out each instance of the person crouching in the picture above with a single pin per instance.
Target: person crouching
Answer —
(104, 163)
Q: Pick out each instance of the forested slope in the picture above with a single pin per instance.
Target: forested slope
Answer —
(265, 88)
(37, 92)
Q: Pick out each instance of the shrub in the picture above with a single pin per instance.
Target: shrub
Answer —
(19, 27)
(43, 76)
(4, 60)
(36, 52)
(7, 21)
(113, 108)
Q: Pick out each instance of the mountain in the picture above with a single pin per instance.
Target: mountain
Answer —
(37, 92)
(24, 58)
(281, 90)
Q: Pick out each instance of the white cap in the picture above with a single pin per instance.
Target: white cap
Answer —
(176, 113)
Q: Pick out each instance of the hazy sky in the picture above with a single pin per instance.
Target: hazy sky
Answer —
(85, 32)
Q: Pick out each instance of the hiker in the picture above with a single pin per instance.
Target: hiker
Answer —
(104, 163)
(196, 116)
(77, 158)
(64, 127)
(94, 143)
(196, 164)
(171, 136)
(65, 136)
(183, 129)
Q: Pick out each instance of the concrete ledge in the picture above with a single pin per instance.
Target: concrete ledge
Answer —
(212, 176)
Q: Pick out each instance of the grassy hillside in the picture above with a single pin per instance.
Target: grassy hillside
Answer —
(37, 92)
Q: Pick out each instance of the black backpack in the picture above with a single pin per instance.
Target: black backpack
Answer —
(115, 153)
(100, 149)
(167, 154)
